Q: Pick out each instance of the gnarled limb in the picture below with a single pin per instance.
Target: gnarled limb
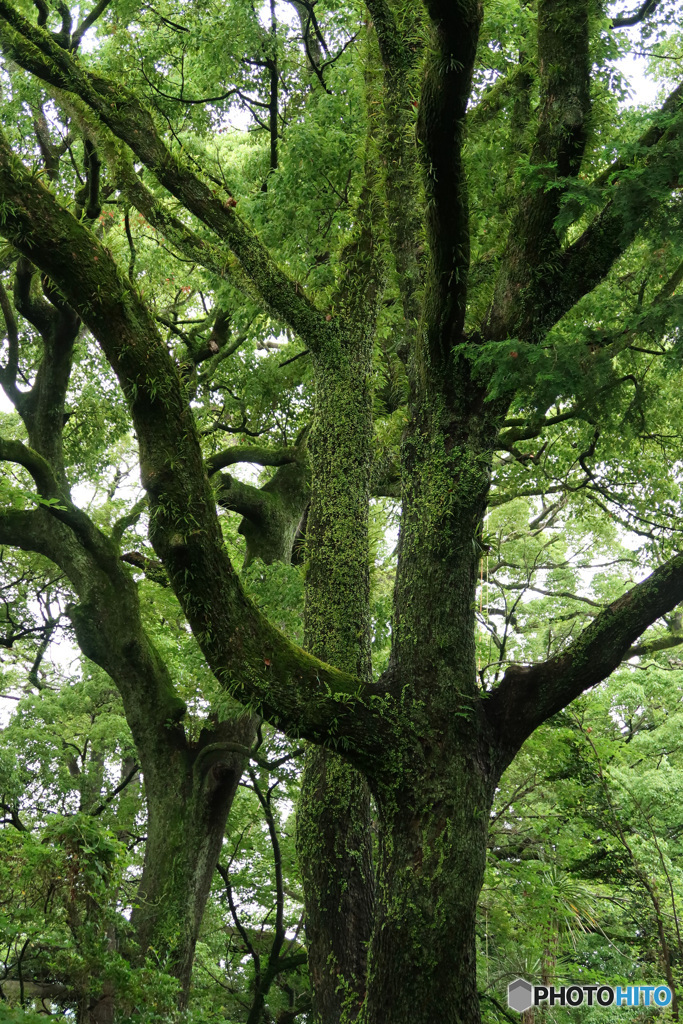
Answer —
(271, 514)
(246, 653)
(121, 111)
(528, 695)
(260, 455)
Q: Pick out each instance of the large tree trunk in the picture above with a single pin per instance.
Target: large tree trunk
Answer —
(435, 798)
(188, 806)
(334, 840)
(189, 789)
(422, 964)
(334, 844)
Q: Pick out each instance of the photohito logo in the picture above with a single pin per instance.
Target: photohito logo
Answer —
(522, 995)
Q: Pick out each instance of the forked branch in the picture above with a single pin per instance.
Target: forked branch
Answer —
(249, 656)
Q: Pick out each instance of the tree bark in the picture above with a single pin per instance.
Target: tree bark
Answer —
(187, 812)
(430, 743)
(435, 799)
(334, 845)
(422, 961)
(189, 791)
(334, 839)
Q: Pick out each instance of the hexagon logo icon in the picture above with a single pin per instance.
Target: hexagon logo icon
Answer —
(520, 995)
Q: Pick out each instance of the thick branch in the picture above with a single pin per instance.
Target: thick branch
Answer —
(272, 514)
(665, 643)
(528, 695)
(585, 263)
(526, 430)
(659, 127)
(35, 464)
(54, 499)
(27, 530)
(207, 254)
(109, 631)
(643, 12)
(529, 304)
(564, 66)
(252, 453)
(13, 819)
(107, 624)
(441, 122)
(246, 653)
(42, 408)
(49, 153)
(8, 373)
(533, 246)
(32, 306)
(119, 109)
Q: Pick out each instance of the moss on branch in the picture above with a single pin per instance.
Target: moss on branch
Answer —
(123, 113)
(246, 653)
(527, 696)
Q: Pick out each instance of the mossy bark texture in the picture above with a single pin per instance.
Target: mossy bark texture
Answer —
(187, 812)
(334, 839)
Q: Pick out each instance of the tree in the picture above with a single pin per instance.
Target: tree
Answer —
(504, 316)
(583, 878)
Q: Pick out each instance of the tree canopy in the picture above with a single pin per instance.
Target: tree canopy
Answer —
(341, 506)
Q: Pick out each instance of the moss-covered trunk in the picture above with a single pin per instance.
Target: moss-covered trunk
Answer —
(435, 798)
(422, 962)
(335, 851)
(333, 821)
(188, 806)
(189, 788)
